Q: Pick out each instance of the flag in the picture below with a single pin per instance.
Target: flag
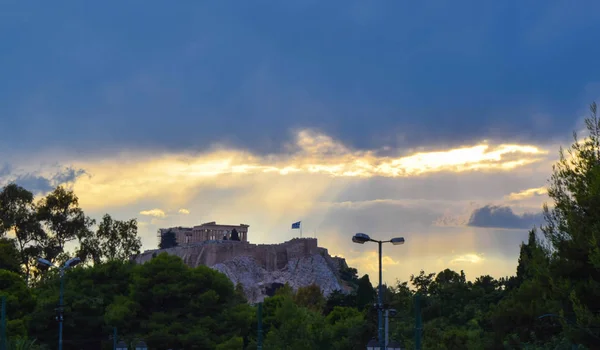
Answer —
(296, 225)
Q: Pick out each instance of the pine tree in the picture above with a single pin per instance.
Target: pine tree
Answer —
(573, 229)
(235, 236)
(168, 240)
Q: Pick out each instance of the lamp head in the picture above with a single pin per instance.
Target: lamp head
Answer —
(397, 240)
(45, 262)
(361, 238)
(72, 262)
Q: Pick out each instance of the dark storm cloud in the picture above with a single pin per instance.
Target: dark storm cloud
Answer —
(41, 184)
(67, 175)
(34, 183)
(503, 217)
(185, 75)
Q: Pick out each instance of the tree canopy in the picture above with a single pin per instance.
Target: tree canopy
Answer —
(167, 240)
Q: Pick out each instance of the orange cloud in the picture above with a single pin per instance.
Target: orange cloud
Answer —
(528, 193)
(467, 258)
(157, 213)
(370, 262)
(176, 177)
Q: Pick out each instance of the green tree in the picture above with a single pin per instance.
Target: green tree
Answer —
(310, 297)
(235, 236)
(63, 220)
(422, 282)
(18, 214)
(167, 240)
(348, 329)
(294, 327)
(365, 293)
(341, 299)
(88, 293)
(113, 240)
(572, 229)
(173, 306)
(19, 302)
(9, 256)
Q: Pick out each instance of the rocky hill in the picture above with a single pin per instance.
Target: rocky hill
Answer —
(261, 268)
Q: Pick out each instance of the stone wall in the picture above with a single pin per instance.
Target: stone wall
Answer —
(299, 262)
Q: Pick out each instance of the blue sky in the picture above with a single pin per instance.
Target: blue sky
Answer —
(90, 88)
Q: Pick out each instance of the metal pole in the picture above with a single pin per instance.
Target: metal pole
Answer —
(418, 322)
(259, 335)
(60, 309)
(3, 340)
(387, 327)
(114, 338)
(380, 303)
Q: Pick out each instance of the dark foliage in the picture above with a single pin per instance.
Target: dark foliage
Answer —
(167, 240)
(235, 236)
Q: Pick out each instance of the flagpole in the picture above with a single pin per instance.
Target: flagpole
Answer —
(300, 229)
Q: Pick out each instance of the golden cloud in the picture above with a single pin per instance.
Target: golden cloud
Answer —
(183, 211)
(176, 177)
(468, 258)
(157, 213)
(528, 193)
(370, 262)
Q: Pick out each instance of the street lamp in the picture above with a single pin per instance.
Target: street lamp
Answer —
(70, 263)
(362, 238)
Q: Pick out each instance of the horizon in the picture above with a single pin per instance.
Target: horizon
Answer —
(436, 122)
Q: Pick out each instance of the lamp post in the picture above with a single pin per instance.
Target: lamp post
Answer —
(388, 313)
(70, 263)
(362, 238)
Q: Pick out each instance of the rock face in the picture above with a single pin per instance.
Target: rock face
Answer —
(259, 268)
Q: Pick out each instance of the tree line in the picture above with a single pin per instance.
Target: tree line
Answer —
(551, 302)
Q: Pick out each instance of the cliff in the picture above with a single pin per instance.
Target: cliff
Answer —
(260, 268)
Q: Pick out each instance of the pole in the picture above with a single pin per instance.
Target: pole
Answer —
(114, 338)
(259, 335)
(300, 229)
(387, 327)
(418, 322)
(60, 309)
(3, 340)
(380, 302)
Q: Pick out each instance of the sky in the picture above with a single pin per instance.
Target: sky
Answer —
(438, 121)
